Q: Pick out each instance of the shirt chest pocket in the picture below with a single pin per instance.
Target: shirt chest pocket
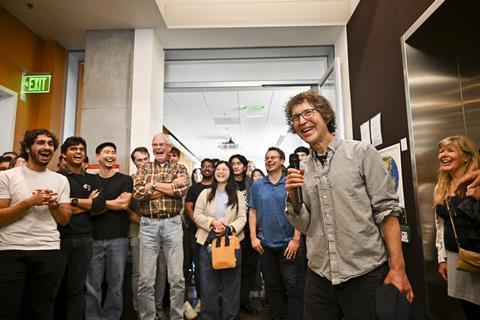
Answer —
(166, 177)
(349, 177)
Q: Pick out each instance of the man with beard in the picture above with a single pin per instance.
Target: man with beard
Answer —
(33, 200)
(207, 168)
(76, 237)
(110, 242)
(249, 256)
(276, 240)
(159, 188)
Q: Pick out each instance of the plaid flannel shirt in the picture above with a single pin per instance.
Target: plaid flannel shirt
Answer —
(153, 172)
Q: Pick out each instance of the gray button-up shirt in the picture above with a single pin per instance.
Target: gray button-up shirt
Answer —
(345, 200)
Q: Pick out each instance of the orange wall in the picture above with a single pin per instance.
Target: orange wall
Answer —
(23, 51)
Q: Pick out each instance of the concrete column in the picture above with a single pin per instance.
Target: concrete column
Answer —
(107, 109)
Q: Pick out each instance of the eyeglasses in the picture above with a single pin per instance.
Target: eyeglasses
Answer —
(306, 114)
(159, 145)
(271, 158)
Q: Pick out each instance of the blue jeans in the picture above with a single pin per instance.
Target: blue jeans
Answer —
(160, 279)
(109, 256)
(154, 234)
(215, 281)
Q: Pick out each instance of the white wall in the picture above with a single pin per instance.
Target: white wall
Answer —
(341, 52)
(8, 111)
(147, 89)
(71, 96)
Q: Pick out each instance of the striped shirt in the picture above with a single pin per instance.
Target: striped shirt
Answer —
(167, 172)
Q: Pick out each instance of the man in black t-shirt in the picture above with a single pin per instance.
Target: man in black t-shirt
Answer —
(207, 169)
(75, 237)
(110, 241)
(249, 256)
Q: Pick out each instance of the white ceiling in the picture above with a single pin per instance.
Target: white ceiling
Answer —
(189, 23)
(204, 119)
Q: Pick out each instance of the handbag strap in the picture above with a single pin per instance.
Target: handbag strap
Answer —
(227, 238)
(451, 220)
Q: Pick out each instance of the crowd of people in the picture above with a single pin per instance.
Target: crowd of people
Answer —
(322, 252)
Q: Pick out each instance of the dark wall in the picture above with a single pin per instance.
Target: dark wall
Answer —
(377, 85)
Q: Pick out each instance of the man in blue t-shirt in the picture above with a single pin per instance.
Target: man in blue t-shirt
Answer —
(276, 240)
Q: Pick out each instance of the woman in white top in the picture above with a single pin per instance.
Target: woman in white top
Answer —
(218, 208)
(458, 156)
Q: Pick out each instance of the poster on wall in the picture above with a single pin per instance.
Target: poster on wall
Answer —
(392, 159)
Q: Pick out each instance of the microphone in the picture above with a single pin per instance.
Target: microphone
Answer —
(295, 163)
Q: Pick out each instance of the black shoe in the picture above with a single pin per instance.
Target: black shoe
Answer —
(248, 309)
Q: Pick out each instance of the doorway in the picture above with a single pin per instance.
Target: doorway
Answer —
(8, 110)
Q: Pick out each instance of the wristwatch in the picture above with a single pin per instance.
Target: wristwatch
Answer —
(74, 202)
(154, 186)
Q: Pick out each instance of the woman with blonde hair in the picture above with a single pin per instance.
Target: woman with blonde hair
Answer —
(458, 156)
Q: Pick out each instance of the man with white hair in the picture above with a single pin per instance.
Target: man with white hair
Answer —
(159, 187)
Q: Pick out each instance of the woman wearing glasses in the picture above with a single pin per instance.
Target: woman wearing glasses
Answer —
(218, 208)
(458, 156)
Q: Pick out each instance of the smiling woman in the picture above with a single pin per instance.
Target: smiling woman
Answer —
(218, 208)
(458, 156)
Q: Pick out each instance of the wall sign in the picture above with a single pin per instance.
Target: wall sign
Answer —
(36, 83)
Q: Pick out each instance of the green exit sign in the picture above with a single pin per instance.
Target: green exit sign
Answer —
(36, 83)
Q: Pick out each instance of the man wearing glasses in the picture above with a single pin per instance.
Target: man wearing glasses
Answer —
(276, 240)
(159, 187)
(348, 203)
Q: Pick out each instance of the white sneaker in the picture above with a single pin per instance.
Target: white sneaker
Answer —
(189, 312)
(198, 306)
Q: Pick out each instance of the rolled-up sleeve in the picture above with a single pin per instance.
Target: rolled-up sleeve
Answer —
(380, 187)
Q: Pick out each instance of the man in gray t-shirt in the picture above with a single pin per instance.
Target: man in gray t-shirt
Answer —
(33, 200)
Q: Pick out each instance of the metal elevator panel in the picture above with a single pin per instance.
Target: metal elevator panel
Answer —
(442, 78)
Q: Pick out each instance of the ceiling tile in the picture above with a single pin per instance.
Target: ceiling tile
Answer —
(219, 99)
(187, 99)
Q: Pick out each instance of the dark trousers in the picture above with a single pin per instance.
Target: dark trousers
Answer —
(283, 278)
(349, 300)
(75, 255)
(249, 270)
(191, 260)
(471, 310)
(226, 281)
(26, 284)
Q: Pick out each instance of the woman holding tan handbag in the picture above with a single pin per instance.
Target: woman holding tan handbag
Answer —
(217, 209)
(455, 226)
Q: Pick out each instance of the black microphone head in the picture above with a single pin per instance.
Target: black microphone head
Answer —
(294, 161)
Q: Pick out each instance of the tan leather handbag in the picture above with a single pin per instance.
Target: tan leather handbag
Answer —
(223, 251)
